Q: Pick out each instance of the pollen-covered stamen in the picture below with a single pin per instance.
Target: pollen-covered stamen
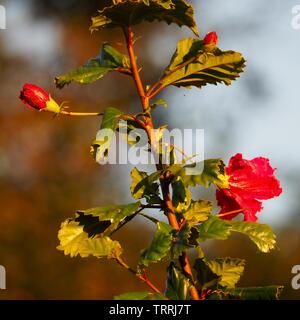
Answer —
(63, 106)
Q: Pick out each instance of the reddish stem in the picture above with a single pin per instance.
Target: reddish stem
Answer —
(142, 278)
(148, 126)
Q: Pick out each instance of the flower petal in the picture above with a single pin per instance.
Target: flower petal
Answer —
(34, 97)
(229, 201)
(253, 179)
(211, 38)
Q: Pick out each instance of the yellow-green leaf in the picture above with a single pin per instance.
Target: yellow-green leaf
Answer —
(228, 269)
(131, 12)
(206, 278)
(213, 228)
(257, 293)
(108, 60)
(100, 148)
(107, 219)
(261, 234)
(75, 241)
(140, 296)
(178, 284)
(143, 186)
(213, 173)
(160, 246)
(181, 197)
(192, 65)
(182, 242)
(198, 211)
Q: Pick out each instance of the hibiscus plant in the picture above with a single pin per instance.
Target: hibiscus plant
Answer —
(183, 224)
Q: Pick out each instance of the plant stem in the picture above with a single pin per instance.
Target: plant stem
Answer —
(148, 126)
(158, 86)
(142, 278)
(183, 259)
(81, 114)
(124, 71)
(134, 68)
(155, 92)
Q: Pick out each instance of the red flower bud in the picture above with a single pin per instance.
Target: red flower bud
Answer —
(211, 38)
(36, 98)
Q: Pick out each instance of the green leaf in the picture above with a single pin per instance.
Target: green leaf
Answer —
(213, 173)
(257, 293)
(228, 269)
(111, 118)
(75, 241)
(102, 143)
(216, 228)
(140, 296)
(108, 60)
(182, 241)
(105, 220)
(192, 65)
(155, 176)
(142, 186)
(160, 102)
(213, 228)
(131, 12)
(261, 234)
(178, 284)
(137, 188)
(181, 197)
(152, 219)
(176, 170)
(206, 278)
(128, 129)
(159, 247)
(163, 150)
(198, 211)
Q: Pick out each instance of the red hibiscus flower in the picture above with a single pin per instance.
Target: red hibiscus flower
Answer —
(248, 182)
(36, 98)
(211, 38)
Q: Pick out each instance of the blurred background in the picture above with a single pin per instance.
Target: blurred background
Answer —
(46, 172)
